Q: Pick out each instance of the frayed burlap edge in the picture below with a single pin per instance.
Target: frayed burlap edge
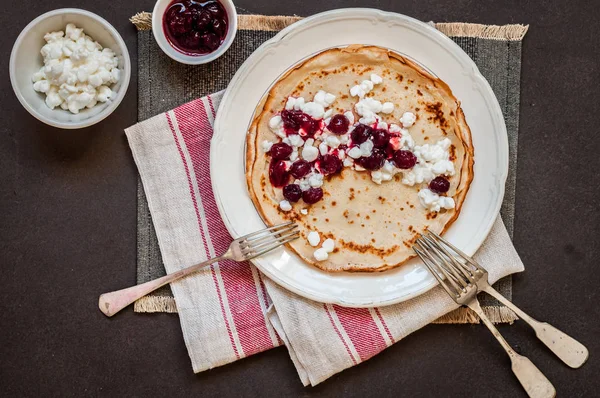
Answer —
(466, 315)
(458, 316)
(155, 304)
(143, 21)
(495, 32)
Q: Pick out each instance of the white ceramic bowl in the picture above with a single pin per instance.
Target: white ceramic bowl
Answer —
(159, 34)
(25, 60)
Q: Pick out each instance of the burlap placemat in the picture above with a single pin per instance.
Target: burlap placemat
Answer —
(163, 84)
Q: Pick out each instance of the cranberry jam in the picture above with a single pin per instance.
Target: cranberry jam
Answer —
(195, 27)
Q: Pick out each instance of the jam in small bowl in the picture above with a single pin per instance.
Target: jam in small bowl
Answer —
(194, 31)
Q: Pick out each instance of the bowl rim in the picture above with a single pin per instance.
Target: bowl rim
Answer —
(93, 119)
(161, 39)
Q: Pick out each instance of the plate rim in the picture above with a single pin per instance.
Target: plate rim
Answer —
(461, 57)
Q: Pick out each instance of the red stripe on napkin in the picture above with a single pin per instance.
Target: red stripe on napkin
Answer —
(242, 302)
(359, 325)
(337, 331)
(195, 202)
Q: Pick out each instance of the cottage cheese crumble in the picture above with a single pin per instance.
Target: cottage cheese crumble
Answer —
(77, 73)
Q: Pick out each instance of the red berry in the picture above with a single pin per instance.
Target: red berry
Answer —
(360, 134)
(216, 9)
(203, 20)
(380, 138)
(180, 24)
(210, 41)
(339, 124)
(300, 168)
(330, 164)
(219, 27)
(296, 120)
(292, 192)
(312, 195)
(280, 150)
(439, 185)
(373, 162)
(404, 159)
(278, 174)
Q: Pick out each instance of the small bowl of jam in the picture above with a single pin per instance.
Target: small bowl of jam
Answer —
(194, 31)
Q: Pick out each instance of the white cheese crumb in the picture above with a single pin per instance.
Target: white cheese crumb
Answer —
(354, 152)
(329, 98)
(360, 90)
(315, 180)
(313, 238)
(296, 140)
(356, 91)
(328, 245)
(294, 155)
(394, 128)
(320, 98)
(376, 79)
(350, 116)
(366, 148)
(313, 109)
(285, 205)
(294, 103)
(434, 202)
(275, 122)
(443, 167)
(309, 142)
(387, 107)
(323, 148)
(327, 115)
(266, 146)
(376, 176)
(406, 140)
(348, 162)
(321, 254)
(408, 119)
(302, 183)
(304, 211)
(382, 125)
(310, 153)
(333, 141)
(388, 167)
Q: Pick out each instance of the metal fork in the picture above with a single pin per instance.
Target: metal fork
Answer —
(460, 282)
(569, 350)
(242, 249)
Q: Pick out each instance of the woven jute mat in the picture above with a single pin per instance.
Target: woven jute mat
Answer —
(163, 84)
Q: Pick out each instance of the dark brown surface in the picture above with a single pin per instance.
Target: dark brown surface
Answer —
(67, 234)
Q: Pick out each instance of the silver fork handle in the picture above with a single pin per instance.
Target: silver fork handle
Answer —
(569, 350)
(113, 302)
(531, 378)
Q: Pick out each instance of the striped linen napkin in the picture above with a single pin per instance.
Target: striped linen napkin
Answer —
(230, 310)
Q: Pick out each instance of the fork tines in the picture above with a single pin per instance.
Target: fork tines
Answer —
(261, 242)
(445, 261)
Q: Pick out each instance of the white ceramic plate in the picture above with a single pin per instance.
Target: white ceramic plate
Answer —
(407, 36)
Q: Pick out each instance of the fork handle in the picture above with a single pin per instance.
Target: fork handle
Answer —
(531, 378)
(569, 350)
(113, 302)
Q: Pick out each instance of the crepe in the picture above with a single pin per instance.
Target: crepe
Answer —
(373, 225)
